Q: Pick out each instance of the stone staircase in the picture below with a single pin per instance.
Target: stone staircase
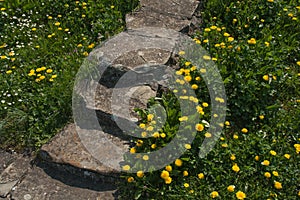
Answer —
(94, 152)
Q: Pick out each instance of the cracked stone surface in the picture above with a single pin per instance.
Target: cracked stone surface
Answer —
(156, 19)
(13, 170)
(45, 182)
(67, 148)
(183, 8)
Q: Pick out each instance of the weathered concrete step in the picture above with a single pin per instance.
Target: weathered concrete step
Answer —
(12, 170)
(45, 181)
(89, 149)
(183, 8)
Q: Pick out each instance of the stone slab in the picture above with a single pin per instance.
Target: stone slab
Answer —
(13, 172)
(182, 8)
(148, 18)
(44, 182)
(70, 148)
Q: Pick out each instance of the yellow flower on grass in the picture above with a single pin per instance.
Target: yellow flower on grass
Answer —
(297, 147)
(267, 174)
(130, 179)
(230, 188)
(273, 153)
(240, 195)
(162, 135)
(49, 71)
(298, 63)
(232, 157)
(224, 145)
(187, 64)
(133, 150)
(235, 168)
(194, 86)
(204, 104)
(187, 78)
(266, 77)
(261, 117)
(271, 1)
(139, 143)
(186, 185)
(275, 173)
(244, 130)
(265, 163)
(207, 29)
(140, 174)
(230, 39)
(57, 23)
(144, 134)
(168, 168)
(49, 17)
(3, 57)
(168, 180)
(226, 34)
(227, 123)
(185, 173)
(66, 30)
(256, 158)
(126, 167)
(199, 127)
(252, 41)
(235, 136)
(201, 176)
(213, 27)
(178, 162)
(277, 185)
(8, 72)
(267, 44)
(155, 135)
(187, 146)
(153, 146)
(91, 46)
(164, 174)
(214, 194)
(287, 156)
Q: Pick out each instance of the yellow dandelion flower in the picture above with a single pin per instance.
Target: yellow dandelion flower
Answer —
(277, 185)
(199, 127)
(130, 179)
(168, 168)
(168, 180)
(287, 156)
(164, 174)
(214, 194)
(240, 195)
(235, 168)
(185, 173)
(201, 176)
(178, 162)
(187, 146)
(266, 163)
(140, 174)
(273, 153)
(126, 167)
(244, 130)
(231, 188)
(267, 174)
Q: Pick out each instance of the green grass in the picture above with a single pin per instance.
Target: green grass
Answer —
(43, 44)
(262, 80)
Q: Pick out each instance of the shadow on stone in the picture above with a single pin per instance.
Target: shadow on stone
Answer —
(76, 177)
